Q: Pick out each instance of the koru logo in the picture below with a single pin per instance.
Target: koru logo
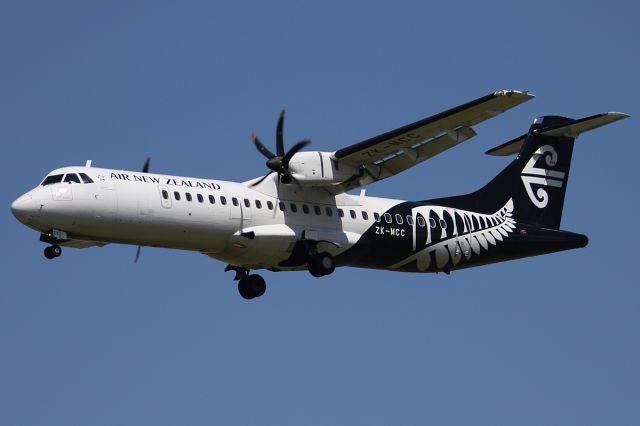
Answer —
(532, 175)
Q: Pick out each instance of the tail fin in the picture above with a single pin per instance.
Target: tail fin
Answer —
(537, 179)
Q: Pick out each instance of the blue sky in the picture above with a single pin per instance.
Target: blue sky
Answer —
(94, 339)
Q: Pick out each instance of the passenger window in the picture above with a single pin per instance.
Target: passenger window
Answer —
(258, 204)
(212, 199)
(399, 219)
(388, 218)
(188, 196)
(247, 203)
(305, 209)
(234, 200)
(200, 198)
(432, 222)
(409, 219)
(176, 195)
(376, 217)
(353, 214)
(329, 211)
(223, 200)
(421, 222)
(85, 178)
(52, 179)
(340, 213)
(269, 205)
(294, 208)
(282, 206)
(443, 224)
(317, 210)
(165, 194)
(365, 216)
(71, 177)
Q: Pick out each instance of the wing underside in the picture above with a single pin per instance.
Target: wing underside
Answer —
(395, 151)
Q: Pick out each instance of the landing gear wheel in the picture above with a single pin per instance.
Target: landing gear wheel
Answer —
(321, 264)
(252, 286)
(56, 250)
(48, 253)
(52, 251)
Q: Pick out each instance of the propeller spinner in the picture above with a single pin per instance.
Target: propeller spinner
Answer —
(279, 162)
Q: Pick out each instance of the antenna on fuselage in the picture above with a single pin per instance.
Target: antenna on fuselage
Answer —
(145, 169)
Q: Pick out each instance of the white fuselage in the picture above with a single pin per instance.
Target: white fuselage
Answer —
(255, 227)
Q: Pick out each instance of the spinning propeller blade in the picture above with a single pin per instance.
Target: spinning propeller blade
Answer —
(278, 163)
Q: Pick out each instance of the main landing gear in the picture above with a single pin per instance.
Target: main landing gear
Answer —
(321, 264)
(252, 286)
(52, 251)
(249, 286)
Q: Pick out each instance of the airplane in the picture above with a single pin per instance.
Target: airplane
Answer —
(299, 215)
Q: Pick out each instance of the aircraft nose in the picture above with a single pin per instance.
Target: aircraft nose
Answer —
(24, 208)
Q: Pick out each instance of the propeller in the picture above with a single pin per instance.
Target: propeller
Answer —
(278, 162)
(145, 169)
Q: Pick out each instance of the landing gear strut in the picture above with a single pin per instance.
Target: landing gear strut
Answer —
(53, 251)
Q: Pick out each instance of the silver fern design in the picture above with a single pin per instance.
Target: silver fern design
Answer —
(479, 232)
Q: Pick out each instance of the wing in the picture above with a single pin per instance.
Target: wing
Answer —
(393, 152)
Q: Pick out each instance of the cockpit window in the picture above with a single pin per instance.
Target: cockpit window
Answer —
(52, 179)
(85, 178)
(71, 177)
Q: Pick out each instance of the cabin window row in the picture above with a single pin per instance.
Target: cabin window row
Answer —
(306, 209)
(177, 196)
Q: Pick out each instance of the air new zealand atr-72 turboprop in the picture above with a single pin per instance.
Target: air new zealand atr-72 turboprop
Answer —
(300, 217)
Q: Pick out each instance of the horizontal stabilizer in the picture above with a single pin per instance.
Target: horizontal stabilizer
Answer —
(508, 148)
(574, 128)
(570, 129)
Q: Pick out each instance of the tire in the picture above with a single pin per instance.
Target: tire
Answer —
(321, 264)
(252, 286)
(56, 250)
(258, 285)
(48, 253)
(327, 263)
(244, 288)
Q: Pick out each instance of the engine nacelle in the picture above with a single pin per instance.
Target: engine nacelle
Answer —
(311, 168)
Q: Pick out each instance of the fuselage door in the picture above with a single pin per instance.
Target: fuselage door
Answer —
(106, 205)
(238, 210)
(165, 196)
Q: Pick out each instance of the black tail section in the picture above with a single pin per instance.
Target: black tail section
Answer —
(536, 180)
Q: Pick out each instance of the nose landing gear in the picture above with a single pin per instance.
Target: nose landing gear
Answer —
(52, 251)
